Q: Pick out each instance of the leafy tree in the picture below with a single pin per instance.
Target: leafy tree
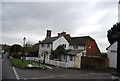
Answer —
(114, 33)
(59, 51)
(32, 50)
(15, 50)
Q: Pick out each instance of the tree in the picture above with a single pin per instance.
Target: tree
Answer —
(59, 51)
(15, 50)
(114, 33)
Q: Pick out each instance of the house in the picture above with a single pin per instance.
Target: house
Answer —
(112, 55)
(79, 46)
(51, 43)
(85, 43)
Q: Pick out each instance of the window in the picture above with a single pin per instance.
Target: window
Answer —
(64, 45)
(75, 47)
(83, 54)
(42, 45)
(71, 58)
(64, 57)
(113, 51)
(48, 45)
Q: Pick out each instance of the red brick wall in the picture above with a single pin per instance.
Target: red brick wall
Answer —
(92, 48)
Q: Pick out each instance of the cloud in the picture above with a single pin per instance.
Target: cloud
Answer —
(32, 19)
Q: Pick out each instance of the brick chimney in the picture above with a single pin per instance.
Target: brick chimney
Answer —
(63, 33)
(48, 35)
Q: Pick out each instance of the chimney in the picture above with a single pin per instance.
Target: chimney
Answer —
(67, 36)
(59, 34)
(63, 33)
(48, 35)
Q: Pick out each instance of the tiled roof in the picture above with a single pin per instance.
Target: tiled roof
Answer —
(49, 40)
(79, 40)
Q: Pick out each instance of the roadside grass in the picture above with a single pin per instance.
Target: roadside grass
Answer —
(18, 63)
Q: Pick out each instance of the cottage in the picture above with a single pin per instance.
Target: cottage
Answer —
(112, 55)
(51, 43)
(79, 46)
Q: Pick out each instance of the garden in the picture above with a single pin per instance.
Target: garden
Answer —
(26, 64)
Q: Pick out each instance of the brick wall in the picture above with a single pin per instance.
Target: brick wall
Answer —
(96, 63)
(92, 48)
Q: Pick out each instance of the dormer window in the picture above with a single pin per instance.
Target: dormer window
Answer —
(64, 45)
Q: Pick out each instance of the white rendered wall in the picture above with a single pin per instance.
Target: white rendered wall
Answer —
(45, 48)
(60, 41)
(112, 55)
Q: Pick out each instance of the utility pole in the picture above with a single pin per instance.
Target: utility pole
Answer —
(118, 56)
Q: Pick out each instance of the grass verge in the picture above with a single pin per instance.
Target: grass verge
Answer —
(18, 63)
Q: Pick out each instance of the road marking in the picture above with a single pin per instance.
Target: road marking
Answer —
(45, 77)
(17, 77)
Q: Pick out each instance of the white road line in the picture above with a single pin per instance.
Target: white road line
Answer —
(45, 77)
(17, 77)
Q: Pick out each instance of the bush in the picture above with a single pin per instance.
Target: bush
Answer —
(33, 54)
(16, 56)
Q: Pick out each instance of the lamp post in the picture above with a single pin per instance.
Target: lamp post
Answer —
(24, 39)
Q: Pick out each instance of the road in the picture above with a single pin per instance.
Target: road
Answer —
(60, 73)
(0, 69)
(7, 69)
(55, 73)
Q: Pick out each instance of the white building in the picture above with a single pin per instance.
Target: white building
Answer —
(112, 55)
(79, 46)
(51, 43)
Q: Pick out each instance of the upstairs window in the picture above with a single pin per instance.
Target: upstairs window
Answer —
(42, 45)
(64, 45)
(75, 47)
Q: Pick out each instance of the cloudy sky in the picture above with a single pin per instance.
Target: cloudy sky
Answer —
(32, 19)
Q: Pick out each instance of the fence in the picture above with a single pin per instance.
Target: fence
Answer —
(32, 58)
(53, 62)
(60, 64)
(98, 63)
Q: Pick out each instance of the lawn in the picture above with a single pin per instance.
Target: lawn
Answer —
(25, 63)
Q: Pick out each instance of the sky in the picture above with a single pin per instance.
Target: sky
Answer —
(32, 19)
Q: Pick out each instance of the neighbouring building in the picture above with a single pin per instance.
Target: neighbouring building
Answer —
(112, 55)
